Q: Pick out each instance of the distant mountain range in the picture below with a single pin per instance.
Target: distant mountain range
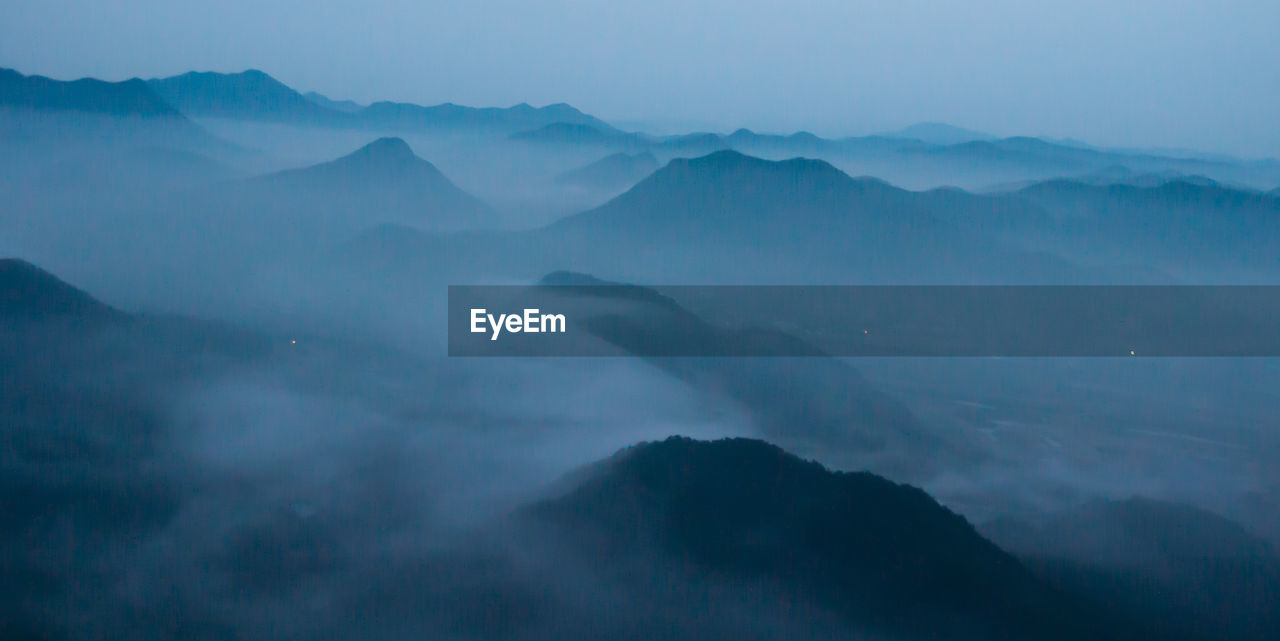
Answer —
(974, 159)
(1189, 226)
(254, 95)
(727, 218)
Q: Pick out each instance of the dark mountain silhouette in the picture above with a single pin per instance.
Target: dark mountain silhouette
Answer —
(248, 95)
(611, 173)
(1181, 567)
(127, 98)
(883, 557)
(348, 106)
(30, 293)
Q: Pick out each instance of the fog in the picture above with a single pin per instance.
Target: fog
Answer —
(267, 438)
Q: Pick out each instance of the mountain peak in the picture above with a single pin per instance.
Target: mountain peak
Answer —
(729, 161)
(384, 179)
(875, 550)
(250, 94)
(385, 161)
(387, 149)
(727, 192)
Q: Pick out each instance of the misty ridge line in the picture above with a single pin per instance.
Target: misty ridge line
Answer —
(256, 96)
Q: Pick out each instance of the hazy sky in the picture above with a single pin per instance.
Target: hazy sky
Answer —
(1145, 72)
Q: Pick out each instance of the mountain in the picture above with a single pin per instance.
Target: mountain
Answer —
(346, 106)
(44, 121)
(751, 219)
(248, 95)
(923, 156)
(793, 537)
(727, 218)
(382, 182)
(220, 234)
(127, 98)
(254, 95)
(611, 173)
(938, 133)
(30, 293)
(1186, 227)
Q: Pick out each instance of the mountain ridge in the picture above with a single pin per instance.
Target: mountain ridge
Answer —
(29, 292)
(255, 95)
(869, 549)
(382, 178)
(131, 97)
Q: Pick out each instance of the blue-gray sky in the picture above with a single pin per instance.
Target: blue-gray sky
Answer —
(1176, 73)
